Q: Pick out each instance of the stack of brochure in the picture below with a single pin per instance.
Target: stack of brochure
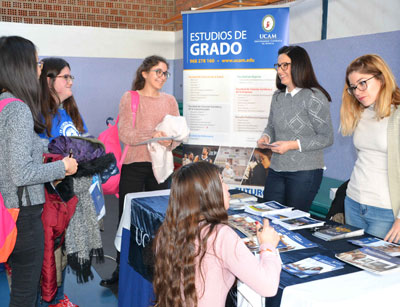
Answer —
(288, 240)
(287, 215)
(331, 233)
(370, 259)
(267, 208)
(238, 201)
(314, 265)
(299, 223)
(391, 249)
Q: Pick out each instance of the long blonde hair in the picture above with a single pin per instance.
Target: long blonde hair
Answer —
(351, 109)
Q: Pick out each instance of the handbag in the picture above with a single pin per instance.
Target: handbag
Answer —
(8, 227)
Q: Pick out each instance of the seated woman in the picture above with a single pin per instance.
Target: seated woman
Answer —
(198, 256)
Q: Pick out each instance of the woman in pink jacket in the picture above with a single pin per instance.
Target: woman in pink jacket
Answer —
(198, 256)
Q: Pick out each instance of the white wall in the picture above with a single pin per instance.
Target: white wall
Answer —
(75, 41)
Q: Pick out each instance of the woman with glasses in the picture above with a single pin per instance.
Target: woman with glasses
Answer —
(59, 109)
(370, 112)
(61, 117)
(137, 173)
(21, 163)
(299, 129)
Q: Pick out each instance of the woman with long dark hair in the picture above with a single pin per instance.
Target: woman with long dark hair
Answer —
(197, 255)
(21, 163)
(370, 112)
(61, 117)
(137, 173)
(299, 129)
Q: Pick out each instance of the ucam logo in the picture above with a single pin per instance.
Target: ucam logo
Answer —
(268, 23)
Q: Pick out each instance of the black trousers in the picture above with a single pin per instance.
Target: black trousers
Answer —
(137, 177)
(27, 257)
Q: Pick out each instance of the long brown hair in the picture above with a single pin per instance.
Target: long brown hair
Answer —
(389, 94)
(50, 99)
(196, 207)
(146, 65)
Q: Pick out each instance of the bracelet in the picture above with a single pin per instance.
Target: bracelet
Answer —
(265, 250)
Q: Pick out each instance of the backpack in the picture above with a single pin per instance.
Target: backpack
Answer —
(8, 217)
(110, 139)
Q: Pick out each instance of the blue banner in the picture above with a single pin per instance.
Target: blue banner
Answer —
(234, 39)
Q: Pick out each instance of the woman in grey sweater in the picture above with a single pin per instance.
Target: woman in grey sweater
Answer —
(299, 128)
(21, 162)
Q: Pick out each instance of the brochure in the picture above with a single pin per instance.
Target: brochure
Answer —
(242, 198)
(244, 223)
(291, 241)
(299, 223)
(267, 208)
(331, 233)
(391, 249)
(287, 215)
(314, 265)
(161, 138)
(370, 259)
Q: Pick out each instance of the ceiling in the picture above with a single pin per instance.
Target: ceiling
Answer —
(224, 4)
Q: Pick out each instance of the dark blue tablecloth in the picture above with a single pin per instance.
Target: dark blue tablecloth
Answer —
(147, 215)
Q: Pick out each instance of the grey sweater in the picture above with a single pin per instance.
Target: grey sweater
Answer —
(21, 161)
(304, 117)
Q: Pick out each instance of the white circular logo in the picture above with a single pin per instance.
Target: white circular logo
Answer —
(268, 23)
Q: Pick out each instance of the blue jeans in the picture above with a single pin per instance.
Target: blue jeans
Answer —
(375, 221)
(293, 189)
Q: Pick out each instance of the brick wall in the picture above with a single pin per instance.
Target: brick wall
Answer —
(123, 14)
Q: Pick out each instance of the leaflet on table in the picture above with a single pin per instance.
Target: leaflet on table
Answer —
(299, 223)
(314, 265)
(291, 240)
(287, 215)
(244, 223)
(370, 259)
(267, 208)
(241, 198)
(386, 247)
(161, 138)
(331, 233)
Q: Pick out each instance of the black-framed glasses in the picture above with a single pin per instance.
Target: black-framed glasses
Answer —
(66, 77)
(284, 66)
(161, 73)
(361, 86)
(40, 64)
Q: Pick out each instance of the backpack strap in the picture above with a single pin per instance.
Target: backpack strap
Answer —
(3, 103)
(134, 107)
(6, 101)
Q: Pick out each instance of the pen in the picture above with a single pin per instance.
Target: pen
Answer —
(70, 153)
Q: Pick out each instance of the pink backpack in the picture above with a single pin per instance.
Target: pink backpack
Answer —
(110, 139)
(8, 217)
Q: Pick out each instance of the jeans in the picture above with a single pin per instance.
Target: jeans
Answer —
(27, 258)
(137, 177)
(375, 221)
(293, 189)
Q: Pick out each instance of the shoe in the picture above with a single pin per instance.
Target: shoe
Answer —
(64, 303)
(113, 280)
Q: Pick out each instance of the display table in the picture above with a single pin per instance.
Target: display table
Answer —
(349, 285)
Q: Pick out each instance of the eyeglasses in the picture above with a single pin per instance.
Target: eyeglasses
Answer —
(361, 86)
(66, 77)
(161, 73)
(284, 66)
(40, 64)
